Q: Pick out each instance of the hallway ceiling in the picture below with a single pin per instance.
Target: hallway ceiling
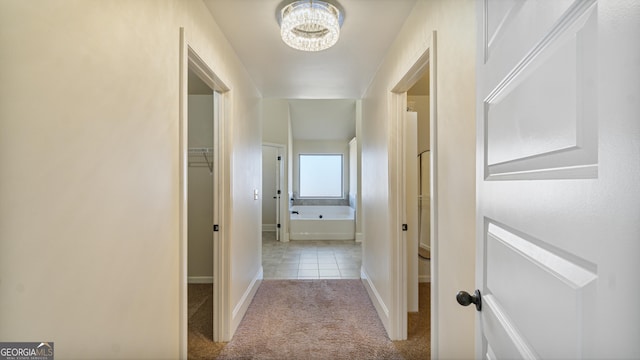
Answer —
(341, 72)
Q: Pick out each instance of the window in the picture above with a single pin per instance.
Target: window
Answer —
(320, 175)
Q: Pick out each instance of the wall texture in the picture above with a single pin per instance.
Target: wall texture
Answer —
(455, 23)
(89, 232)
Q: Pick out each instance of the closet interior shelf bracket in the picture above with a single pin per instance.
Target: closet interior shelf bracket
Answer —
(201, 157)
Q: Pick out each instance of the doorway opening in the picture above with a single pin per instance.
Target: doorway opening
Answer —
(415, 152)
(203, 264)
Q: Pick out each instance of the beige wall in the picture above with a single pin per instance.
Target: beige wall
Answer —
(89, 250)
(275, 113)
(455, 23)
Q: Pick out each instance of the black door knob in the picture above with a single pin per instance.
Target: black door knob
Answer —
(466, 299)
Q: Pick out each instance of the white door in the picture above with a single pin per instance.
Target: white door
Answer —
(279, 185)
(269, 188)
(411, 207)
(558, 187)
(424, 201)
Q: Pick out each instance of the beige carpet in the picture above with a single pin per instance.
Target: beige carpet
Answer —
(304, 319)
(418, 343)
(307, 319)
(200, 335)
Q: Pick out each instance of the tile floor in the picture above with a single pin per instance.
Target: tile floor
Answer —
(310, 259)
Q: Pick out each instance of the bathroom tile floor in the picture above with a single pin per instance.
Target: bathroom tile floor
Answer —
(310, 259)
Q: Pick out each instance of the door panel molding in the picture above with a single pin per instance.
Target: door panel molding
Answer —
(554, 137)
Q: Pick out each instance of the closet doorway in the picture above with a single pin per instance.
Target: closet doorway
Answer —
(203, 193)
(200, 174)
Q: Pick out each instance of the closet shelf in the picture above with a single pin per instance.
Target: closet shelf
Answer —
(201, 157)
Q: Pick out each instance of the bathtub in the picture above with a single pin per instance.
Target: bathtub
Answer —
(322, 223)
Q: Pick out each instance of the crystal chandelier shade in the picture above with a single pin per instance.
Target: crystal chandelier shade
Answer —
(310, 25)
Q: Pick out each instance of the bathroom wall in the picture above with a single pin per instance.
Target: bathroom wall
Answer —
(200, 192)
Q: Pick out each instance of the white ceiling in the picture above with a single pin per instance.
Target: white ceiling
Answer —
(341, 72)
(333, 78)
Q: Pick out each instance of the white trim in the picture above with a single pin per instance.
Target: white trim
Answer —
(200, 280)
(398, 248)
(376, 299)
(433, 114)
(424, 278)
(241, 307)
(182, 204)
(359, 237)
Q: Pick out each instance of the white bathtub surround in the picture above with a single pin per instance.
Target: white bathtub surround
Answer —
(322, 223)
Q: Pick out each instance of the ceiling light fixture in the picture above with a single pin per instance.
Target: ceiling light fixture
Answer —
(310, 25)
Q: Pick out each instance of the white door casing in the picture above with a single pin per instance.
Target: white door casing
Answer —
(558, 214)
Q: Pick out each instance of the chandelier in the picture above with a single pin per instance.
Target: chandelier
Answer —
(310, 25)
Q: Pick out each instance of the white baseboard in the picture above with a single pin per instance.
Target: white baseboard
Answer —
(241, 307)
(200, 280)
(376, 299)
(269, 227)
(359, 237)
(424, 278)
(285, 237)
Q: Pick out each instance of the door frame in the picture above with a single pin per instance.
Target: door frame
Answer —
(190, 60)
(426, 62)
